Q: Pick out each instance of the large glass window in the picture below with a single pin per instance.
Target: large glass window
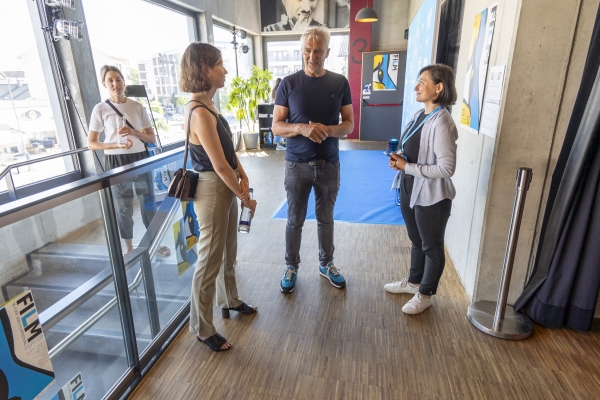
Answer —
(146, 42)
(285, 57)
(223, 38)
(28, 118)
(338, 55)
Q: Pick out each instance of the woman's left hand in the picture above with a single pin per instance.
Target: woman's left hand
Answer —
(397, 162)
(125, 131)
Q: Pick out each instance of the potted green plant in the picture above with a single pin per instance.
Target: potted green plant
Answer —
(244, 96)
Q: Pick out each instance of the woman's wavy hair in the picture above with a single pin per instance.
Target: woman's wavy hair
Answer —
(444, 74)
(196, 62)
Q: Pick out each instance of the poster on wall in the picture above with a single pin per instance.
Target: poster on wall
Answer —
(493, 100)
(477, 66)
(294, 15)
(420, 53)
(25, 367)
(385, 71)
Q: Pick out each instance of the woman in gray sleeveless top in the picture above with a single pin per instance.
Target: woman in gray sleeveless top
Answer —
(222, 180)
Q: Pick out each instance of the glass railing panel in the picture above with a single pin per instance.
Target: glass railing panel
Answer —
(62, 256)
(146, 219)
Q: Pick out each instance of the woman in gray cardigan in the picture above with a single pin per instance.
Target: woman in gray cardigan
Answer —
(425, 163)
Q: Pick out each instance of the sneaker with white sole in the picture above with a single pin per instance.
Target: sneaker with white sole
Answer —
(417, 304)
(334, 275)
(401, 287)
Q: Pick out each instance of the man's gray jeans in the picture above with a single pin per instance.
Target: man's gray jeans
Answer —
(300, 178)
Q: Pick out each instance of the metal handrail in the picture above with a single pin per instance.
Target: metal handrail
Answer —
(36, 160)
(88, 323)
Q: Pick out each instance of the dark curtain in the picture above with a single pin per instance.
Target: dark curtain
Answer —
(564, 285)
(451, 16)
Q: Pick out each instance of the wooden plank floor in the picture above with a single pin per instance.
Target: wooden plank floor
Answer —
(324, 343)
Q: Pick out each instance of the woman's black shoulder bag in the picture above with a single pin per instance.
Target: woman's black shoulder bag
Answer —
(184, 183)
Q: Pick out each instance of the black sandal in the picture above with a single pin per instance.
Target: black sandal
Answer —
(242, 309)
(215, 342)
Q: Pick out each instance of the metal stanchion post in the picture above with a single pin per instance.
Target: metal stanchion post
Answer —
(497, 318)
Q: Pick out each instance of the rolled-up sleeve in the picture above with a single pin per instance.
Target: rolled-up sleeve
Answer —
(444, 149)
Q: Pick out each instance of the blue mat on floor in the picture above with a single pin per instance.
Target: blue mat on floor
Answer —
(364, 195)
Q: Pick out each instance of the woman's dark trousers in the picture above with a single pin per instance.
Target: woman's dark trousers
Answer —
(426, 226)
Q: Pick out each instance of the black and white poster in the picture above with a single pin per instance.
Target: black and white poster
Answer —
(298, 15)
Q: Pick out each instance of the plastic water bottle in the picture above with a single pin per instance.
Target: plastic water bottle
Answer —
(246, 216)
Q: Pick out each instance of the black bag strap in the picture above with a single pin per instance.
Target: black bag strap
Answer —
(126, 120)
(119, 113)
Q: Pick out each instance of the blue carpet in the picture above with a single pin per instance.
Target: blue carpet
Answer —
(365, 195)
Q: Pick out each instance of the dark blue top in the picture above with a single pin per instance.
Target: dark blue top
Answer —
(317, 100)
(200, 160)
(413, 144)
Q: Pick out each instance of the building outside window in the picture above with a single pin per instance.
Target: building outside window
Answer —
(285, 58)
(149, 49)
(31, 124)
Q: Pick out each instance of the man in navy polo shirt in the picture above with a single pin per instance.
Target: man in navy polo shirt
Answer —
(307, 111)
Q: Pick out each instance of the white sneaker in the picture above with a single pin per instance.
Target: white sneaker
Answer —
(401, 287)
(417, 304)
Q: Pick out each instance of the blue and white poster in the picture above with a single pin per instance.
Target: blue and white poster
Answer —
(477, 67)
(385, 71)
(73, 390)
(420, 53)
(25, 367)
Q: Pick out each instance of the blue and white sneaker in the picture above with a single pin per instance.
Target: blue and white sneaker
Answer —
(334, 275)
(289, 279)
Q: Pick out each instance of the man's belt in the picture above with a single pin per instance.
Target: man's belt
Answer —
(317, 163)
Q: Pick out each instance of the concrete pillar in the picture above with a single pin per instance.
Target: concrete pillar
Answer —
(81, 76)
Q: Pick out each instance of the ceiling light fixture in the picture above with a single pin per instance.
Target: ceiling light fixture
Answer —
(366, 14)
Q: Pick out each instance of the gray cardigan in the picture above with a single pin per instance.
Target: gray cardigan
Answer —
(436, 162)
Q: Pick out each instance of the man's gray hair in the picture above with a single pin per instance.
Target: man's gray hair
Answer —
(316, 32)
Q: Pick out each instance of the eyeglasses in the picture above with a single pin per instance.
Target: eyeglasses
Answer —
(317, 52)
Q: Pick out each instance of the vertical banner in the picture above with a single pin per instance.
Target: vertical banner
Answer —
(25, 367)
(422, 35)
(360, 41)
(477, 66)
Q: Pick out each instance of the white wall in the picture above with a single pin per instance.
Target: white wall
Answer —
(388, 33)
(242, 13)
(534, 39)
